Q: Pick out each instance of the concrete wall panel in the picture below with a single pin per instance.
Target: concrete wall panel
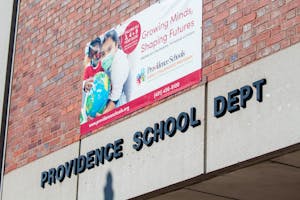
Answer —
(164, 163)
(24, 182)
(261, 127)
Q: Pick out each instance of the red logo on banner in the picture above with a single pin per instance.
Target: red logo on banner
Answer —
(131, 37)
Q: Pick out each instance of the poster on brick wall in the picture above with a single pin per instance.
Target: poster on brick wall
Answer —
(152, 55)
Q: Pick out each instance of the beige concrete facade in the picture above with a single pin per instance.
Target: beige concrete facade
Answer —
(252, 153)
(262, 127)
(256, 130)
(24, 183)
(267, 180)
(166, 162)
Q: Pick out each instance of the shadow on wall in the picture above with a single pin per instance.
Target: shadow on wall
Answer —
(108, 189)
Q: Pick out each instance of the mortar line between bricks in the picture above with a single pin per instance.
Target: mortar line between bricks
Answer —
(194, 190)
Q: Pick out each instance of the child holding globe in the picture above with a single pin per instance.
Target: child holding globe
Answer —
(115, 64)
(112, 65)
(96, 83)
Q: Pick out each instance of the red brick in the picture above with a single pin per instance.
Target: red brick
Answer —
(219, 65)
(207, 7)
(246, 52)
(261, 4)
(232, 3)
(221, 16)
(209, 61)
(220, 72)
(263, 36)
(208, 15)
(246, 19)
(285, 43)
(298, 29)
(275, 38)
(207, 70)
(295, 39)
(211, 77)
(275, 30)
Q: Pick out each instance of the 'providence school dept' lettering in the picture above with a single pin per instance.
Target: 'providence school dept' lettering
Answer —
(111, 151)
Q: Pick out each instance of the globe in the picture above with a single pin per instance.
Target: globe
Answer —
(98, 96)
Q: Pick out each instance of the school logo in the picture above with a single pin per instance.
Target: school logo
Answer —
(141, 76)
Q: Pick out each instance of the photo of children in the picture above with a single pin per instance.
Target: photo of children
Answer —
(105, 74)
(138, 63)
(115, 64)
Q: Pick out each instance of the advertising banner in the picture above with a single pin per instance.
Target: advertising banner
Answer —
(152, 55)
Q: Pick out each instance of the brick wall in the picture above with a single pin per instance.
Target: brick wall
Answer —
(46, 92)
(238, 32)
